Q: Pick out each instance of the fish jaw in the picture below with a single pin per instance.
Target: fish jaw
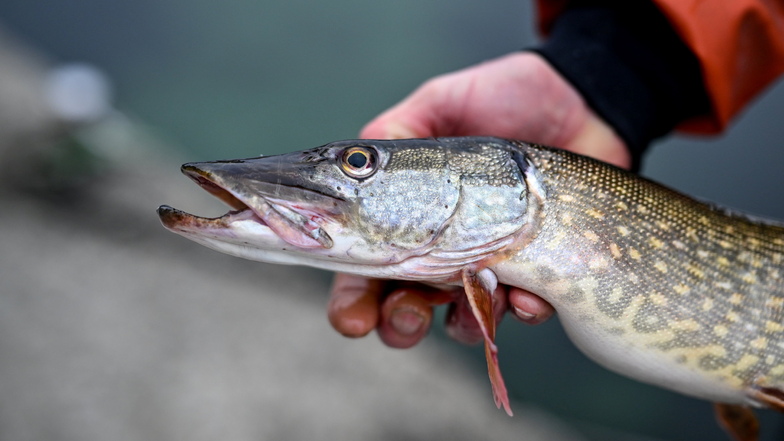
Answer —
(241, 233)
(229, 233)
(263, 225)
(295, 219)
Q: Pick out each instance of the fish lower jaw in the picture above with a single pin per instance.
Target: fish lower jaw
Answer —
(235, 227)
(245, 226)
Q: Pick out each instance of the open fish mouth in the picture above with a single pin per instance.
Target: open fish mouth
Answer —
(296, 223)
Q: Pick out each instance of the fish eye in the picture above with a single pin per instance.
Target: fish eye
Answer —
(359, 162)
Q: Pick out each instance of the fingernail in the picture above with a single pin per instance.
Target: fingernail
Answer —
(406, 322)
(524, 316)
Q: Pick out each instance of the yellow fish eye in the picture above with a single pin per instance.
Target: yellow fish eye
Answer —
(359, 162)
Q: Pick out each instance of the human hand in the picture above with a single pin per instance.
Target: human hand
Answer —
(518, 96)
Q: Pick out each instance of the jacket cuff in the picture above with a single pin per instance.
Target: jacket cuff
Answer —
(630, 66)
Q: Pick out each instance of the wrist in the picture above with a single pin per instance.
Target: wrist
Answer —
(571, 124)
(630, 67)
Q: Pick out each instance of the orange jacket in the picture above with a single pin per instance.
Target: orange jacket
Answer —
(739, 44)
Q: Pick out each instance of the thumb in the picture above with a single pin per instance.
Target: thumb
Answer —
(411, 118)
(391, 129)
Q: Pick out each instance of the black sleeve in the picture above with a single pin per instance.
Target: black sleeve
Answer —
(630, 66)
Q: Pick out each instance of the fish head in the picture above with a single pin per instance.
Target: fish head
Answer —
(417, 209)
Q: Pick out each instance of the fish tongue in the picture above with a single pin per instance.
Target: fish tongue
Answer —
(479, 288)
(284, 226)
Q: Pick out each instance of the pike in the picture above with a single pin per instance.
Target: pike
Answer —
(646, 281)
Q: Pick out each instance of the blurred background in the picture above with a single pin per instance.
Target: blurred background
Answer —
(165, 81)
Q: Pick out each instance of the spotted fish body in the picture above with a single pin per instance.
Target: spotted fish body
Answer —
(656, 285)
(648, 282)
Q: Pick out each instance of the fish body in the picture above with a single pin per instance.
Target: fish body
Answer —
(648, 282)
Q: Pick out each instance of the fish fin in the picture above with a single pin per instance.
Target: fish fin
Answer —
(769, 396)
(739, 421)
(479, 288)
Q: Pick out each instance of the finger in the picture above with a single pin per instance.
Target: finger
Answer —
(461, 323)
(400, 122)
(353, 308)
(529, 308)
(597, 139)
(417, 116)
(391, 128)
(500, 303)
(406, 315)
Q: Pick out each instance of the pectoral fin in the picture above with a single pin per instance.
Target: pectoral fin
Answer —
(739, 421)
(479, 288)
(770, 396)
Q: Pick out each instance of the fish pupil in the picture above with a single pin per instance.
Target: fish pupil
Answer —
(357, 160)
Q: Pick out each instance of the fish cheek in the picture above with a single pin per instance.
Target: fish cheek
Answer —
(408, 211)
